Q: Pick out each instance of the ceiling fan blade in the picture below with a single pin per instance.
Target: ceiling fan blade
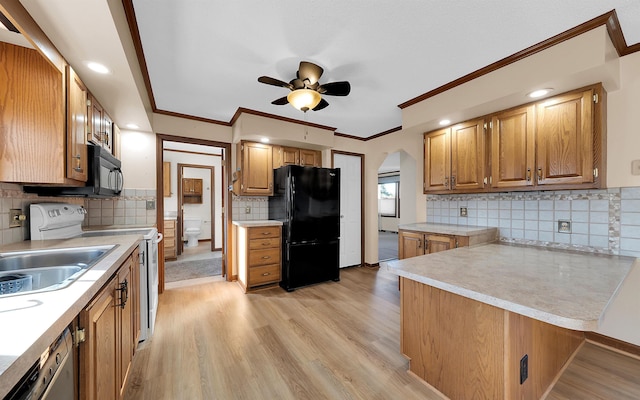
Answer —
(274, 82)
(335, 88)
(323, 104)
(310, 71)
(281, 101)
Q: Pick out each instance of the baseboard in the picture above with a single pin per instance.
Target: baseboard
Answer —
(613, 343)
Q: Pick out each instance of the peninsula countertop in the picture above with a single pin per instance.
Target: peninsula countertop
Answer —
(265, 222)
(30, 322)
(563, 288)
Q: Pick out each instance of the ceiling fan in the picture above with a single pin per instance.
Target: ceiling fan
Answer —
(306, 92)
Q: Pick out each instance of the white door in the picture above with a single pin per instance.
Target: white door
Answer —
(350, 208)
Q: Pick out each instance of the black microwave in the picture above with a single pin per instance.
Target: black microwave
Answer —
(104, 180)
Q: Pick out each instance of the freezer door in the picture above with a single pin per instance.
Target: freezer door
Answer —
(314, 204)
(309, 263)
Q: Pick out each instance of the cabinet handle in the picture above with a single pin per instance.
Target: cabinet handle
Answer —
(453, 182)
(124, 293)
(446, 182)
(528, 174)
(266, 274)
(419, 244)
(539, 174)
(77, 167)
(266, 233)
(266, 257)
(266, 243)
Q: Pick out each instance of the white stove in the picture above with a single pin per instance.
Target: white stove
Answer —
(64, 221)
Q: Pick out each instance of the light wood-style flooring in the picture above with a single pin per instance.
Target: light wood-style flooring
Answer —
(328, 341)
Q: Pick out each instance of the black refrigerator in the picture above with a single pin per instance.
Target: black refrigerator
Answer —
(307, 201)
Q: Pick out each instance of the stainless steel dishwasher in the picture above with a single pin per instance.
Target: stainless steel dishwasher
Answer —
(51, 376)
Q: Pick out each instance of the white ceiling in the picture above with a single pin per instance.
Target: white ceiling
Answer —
(204, 57)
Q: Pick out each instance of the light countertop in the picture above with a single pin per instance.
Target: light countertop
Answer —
(249, 224)
(447, 229)
(567, 289)
(30, 322)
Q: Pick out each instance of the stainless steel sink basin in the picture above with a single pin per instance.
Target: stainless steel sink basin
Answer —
(45, 270)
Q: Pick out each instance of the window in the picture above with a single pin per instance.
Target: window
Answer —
(388, 205)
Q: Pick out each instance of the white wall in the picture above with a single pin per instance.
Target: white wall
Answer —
(138, 156)
(171, 203)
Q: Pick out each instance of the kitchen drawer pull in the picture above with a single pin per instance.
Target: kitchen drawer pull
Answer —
(266, 233)
(266, 243)
(266, 274)
(266, 257)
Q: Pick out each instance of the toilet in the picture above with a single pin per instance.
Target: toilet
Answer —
(192, 231)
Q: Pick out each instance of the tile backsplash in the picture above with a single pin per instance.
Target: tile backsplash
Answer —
(257, 207)
(128, 209)
(602, 221)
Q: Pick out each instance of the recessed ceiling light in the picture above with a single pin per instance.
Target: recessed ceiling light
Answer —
(539, 93)
(264, 140)
(97, 67)
(133, 126)
(445, 122)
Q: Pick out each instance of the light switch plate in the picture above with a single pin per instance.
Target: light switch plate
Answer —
(463, 211)
(635, 167)
(151, 204)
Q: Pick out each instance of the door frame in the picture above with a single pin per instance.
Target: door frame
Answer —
(226, 200)
(212, 200)
(362, 221)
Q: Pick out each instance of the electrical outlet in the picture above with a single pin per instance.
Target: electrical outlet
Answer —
(151, 204)
(524, 368)
(564, 226)
(16, 217)
(247, 210)
(463, 211)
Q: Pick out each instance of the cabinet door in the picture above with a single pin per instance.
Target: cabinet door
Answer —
(107, 132)
(564, 135)
(99, 368)
(467, 156)
(410, 244)
(257, 171)
(95, 122)
(76, 127)
(310, 158)
(290, 156)
(166, 179)
(513, 148)
(436, 243)
(197, 187)
(32, 118)
(187, 186)
(437, 160)
(124, 300)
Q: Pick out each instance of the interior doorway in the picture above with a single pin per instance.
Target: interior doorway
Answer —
(211, 157)
(196, 196)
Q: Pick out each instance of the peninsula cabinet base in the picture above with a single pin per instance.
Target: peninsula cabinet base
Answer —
(467, 349)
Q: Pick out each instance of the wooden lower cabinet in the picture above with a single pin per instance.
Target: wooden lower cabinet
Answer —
(412, 244)
(258, 256)
(467, 349)
(111, 329)
(169, 239)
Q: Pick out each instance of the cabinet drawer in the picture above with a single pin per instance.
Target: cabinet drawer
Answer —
(265, 243)
(264, 232)
(169, 232)
(264, 257)
(264, 274)
(169, 242)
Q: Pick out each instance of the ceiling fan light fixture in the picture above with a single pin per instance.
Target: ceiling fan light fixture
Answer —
(304, 99)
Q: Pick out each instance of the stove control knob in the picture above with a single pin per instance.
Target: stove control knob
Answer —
(52, 213)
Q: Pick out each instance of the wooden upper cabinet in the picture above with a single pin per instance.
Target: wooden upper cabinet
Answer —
(437, 160)
(76, 127)
(565, 139)
(32, 119)
(95, 121)
(455, 158)
(310, 158)
(467, 156)
(283, 155)
(513, 148)
(256, 176)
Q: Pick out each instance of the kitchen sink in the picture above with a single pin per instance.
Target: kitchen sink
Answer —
(45, 270)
